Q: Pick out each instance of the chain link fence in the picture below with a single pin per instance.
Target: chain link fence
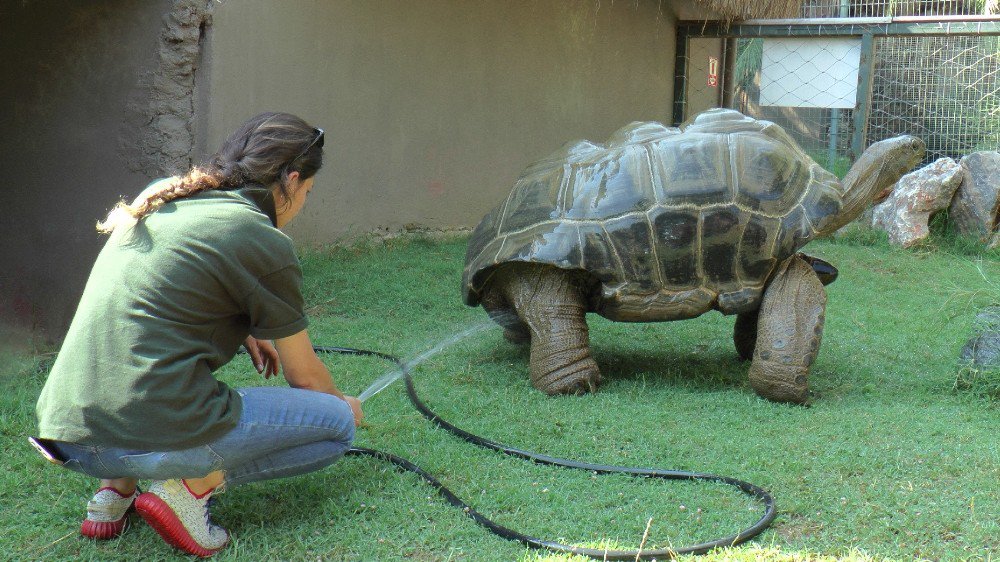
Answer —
(945, 90)
(840, 84)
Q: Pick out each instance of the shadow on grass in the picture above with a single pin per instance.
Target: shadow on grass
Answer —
(704, 370)
(296, 501)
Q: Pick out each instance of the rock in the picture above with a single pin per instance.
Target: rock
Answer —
(983, 349)
(918, 195)
(973, 212)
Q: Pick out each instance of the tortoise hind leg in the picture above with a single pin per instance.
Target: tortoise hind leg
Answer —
(551, 305)
(745, 334)
(790, 327)
(514, 330)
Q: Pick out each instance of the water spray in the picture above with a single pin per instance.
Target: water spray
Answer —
(394, 375)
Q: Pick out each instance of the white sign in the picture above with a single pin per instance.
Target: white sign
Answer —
(713, 72)
(810, 72)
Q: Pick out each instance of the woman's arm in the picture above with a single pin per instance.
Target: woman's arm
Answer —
(302, 369)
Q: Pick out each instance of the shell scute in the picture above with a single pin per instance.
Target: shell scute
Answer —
(559, 246)
(598, 255)
(632, 242)
(639, 132)
(756, 253)
(484, 235)
(741, 300)
(676, 232)
(534, 200)
(612, 186)
(772, 178)
(793, 233)
(720, 227)
(554, 243)
(823, 201)
(692, 170)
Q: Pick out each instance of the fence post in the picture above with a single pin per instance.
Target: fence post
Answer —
(863, 106)
(680, 76)
(729, 71)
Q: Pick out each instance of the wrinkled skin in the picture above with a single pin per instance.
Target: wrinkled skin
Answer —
(551, 309)
(789, 330)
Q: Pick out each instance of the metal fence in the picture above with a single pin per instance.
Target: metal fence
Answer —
(893, 8)
(839, 84)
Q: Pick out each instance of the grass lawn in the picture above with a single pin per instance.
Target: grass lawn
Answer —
(890, 462)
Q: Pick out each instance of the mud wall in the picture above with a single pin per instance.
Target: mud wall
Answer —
(433, 108)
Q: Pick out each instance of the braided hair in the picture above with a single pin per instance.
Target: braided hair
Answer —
(262, 151)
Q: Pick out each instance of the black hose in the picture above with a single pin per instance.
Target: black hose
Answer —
(770, 512)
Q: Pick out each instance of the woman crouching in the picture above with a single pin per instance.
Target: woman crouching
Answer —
(195, 267)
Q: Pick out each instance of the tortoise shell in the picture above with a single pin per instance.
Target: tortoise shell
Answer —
(671, 222)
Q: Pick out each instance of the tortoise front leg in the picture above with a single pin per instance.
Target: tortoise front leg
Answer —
(552, 306)
(790, 327)
(745, 334)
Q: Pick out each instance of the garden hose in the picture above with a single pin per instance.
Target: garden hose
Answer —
(770, 512)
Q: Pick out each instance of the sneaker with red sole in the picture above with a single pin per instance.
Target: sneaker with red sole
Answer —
(107, 513)
(181, 517)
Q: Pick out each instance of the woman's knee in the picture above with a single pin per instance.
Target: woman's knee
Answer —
(344, 428)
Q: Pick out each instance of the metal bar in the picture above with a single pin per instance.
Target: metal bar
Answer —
(831, 157)
(728, 82)
(827, 29)
(816, 21)
(868, 21)
(936, 19)
(680, 77)
(863, 105)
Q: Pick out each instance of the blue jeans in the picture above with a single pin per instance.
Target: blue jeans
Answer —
(282, 432)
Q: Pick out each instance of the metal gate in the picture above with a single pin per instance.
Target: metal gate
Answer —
(935, 77)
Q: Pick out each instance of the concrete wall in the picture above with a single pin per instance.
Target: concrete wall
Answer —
(70, 70)
(434, 107)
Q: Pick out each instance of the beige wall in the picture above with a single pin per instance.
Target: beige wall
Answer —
(434, 107)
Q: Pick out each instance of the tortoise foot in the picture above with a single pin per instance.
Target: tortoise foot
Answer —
(580, 377)
(780, 383)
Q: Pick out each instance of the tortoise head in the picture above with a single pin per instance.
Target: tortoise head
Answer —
(878, 168)
(824, 270)
(884, 162)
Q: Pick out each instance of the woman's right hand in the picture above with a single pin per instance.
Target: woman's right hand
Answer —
(355, 405)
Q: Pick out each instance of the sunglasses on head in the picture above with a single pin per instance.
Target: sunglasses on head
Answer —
(318, 142)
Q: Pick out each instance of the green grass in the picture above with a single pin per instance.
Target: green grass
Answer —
(892, 461)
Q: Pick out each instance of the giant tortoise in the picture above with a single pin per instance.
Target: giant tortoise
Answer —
(666, 223)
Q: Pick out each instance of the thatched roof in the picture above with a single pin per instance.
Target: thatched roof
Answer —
(754, 9)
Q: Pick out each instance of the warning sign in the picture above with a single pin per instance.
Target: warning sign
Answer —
(713, 72)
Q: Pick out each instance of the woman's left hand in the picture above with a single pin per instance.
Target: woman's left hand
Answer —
(263, 355)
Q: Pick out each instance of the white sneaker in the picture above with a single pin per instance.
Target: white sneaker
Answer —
(107, 513)
(181, 517)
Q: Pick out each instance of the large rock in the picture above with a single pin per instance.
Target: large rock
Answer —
(983, 350)
(918, 195)
(973, 212)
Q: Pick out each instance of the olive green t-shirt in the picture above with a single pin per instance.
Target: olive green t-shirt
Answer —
(168, 302)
